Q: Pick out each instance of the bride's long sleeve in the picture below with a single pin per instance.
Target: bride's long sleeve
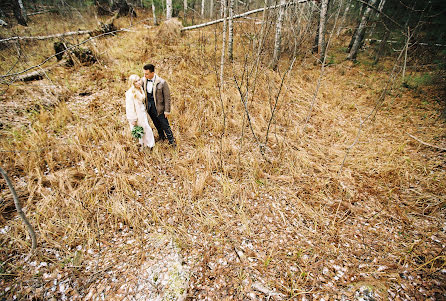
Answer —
(130, 110)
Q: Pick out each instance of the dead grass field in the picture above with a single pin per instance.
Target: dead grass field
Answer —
(289, 220)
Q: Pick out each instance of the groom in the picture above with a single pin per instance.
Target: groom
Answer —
(157, 101)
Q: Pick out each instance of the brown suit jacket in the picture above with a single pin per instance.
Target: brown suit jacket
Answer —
(161, 95)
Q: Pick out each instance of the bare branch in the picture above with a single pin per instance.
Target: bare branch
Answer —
(425, 143)
(18, 207)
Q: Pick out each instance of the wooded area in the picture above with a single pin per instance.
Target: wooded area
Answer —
(309, 165)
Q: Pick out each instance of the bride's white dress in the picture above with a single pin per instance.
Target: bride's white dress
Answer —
(136, 111)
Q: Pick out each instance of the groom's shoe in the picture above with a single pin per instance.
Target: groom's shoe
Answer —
(160, 139)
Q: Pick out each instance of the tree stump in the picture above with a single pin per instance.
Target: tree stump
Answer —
(59, 48)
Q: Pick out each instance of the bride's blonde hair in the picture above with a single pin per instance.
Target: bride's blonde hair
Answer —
(137, 94)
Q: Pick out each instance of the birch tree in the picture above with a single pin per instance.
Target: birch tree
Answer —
(344, 15)
(211, 9)
(231, 30)
(222, 7)
(185, 7)
(322, 25)
(168, 9)
(155, 22)
(223, 47)
(360, 32)
(380, 8)
(278, 36)
(202, 8)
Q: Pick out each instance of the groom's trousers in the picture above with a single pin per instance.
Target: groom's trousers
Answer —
(161, 123)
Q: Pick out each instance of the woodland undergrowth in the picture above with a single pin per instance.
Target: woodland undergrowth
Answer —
(291, 212)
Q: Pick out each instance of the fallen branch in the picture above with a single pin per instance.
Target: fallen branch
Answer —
(425, 143)
(39, 74)
(59, 35)
(242, 15)
(38, 13)
(18, 207)
(410, 44)
(103, 28)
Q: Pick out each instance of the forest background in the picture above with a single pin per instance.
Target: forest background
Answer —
(310, 162)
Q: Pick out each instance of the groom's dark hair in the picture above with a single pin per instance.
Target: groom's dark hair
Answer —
(149, 67)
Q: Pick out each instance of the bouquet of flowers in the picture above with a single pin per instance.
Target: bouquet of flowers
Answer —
(137, 132)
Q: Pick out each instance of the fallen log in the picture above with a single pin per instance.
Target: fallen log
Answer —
(243, 15)
(39, 74)
(103, 28)
(54, 36)
(372, 41)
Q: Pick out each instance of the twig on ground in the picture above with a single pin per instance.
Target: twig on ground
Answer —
(18, 207)
(425, 143)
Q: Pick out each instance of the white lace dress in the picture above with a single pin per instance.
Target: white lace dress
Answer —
(136, 111)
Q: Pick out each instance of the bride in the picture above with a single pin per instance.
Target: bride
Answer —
(136, 112)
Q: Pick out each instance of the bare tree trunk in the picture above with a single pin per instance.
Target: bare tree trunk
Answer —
(344, 15)
(20, 12)
(380, 8)
(316, 36)
(322, 23)
(155, 21)
(168, 9)
(278, 36)
(185, 8)
(405, 53)
(222, 4)
(18, 207)
(231, 30)
(202, 8)
(223, 47)
(360, 32)
(211, 9)
(381, 5)
(352, 40)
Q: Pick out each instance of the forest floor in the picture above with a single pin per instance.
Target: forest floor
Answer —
(316, 212)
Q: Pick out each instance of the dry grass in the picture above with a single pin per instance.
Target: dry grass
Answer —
(298, 224)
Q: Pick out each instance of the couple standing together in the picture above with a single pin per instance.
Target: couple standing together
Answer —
(149, 95)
